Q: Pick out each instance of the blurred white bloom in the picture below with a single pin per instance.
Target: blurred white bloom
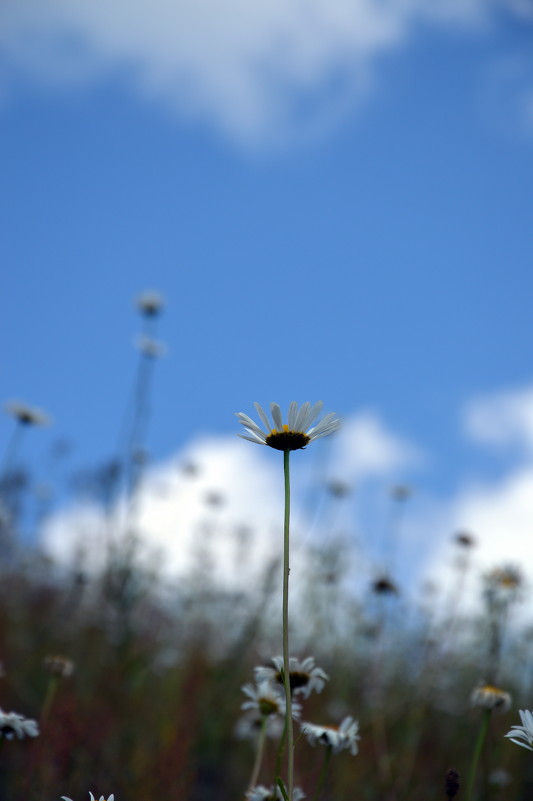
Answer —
(523, 732)
(489, 697)
(267, 700)
(249, 725)
(150, 347)
(503, 586)
(304, 677)
(294, 435)
(13, 724)
(150, 303)
(60, 666)
(261, 793)
(111, 797)
(27, 415)
(338, 738)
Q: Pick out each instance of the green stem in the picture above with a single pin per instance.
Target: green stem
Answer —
(259, 753)
(286, 664)
(477, 753)
(323, 774)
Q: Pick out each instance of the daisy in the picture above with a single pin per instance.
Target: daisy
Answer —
(296, 433)
(150, 303)
(27, 415)
(111, 797)
(304, 677)
(13, 724)
(261, 793)
(489, 697)
(523, 732)
(337, 738)
(267, 700)
(250, 725)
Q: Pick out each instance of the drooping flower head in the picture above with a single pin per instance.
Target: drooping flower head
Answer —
(523, 732)
(293, 435)
(338, 738)
(304, 676)
(150, 303)
(489, 697)
(14, 725)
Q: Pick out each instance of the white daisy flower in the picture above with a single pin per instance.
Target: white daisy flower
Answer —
(150, 303)
(523, 732)
(150, 347)
(27, 415)
(14, 725)
(338, 738)
(489, 697)
(261, 793)
(296, 433)
(267, 700)
(304, 676)
(111, 797)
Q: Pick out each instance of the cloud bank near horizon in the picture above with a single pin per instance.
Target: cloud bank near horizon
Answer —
(228, 513)
(256, 71)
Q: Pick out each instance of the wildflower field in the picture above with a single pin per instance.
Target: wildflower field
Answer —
(121, 682)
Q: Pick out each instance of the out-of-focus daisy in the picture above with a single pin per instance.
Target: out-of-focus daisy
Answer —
(14, 725)
(489, 697)
(338, 738)
(464, 539)
(150, 347)
(383, 585)
(150, 303)
(27, 415)
(293, 435)
(503, 586)
(304, 676)
(267, 700)
(523, 732)
(111, 797)
(60, 666)
(261, 793)
(250, 725)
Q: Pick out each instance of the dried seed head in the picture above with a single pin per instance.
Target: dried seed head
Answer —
(451, 783)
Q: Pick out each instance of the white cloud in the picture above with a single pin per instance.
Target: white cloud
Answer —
(504, 418)
(245, 66)
(245, 527)
(367, 448)
(498, 513)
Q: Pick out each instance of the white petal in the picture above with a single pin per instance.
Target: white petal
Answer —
(261, 412)
(293, 414)
(252, 439)
(313, 414)
(302, 416)
(275, 411)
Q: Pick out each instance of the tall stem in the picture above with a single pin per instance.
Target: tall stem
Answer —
(477, 753)
(286, 664)
(259, 753)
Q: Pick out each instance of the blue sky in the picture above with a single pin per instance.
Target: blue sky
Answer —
(335, 203)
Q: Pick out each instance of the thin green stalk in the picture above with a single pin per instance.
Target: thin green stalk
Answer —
(477, 753)
(259, 753)
(323, 774)
(286, 670)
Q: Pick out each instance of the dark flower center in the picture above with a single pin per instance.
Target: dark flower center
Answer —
(287, 440)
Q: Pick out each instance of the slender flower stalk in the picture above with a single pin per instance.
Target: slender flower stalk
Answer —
(286, 667)
(258, 753)
(294, 435)
(323, 774)
(477, 753)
